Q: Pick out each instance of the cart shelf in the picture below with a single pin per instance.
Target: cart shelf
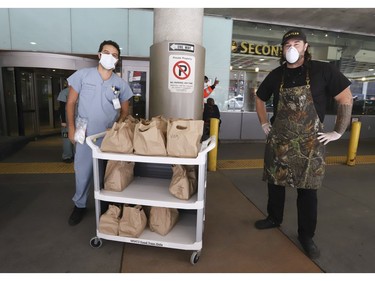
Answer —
(149, 192)
(182, 236)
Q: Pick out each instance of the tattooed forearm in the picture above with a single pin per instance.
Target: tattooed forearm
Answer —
(344, 112)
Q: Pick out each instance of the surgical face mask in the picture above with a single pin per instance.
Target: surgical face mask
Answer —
(107, 61)
(292, 55)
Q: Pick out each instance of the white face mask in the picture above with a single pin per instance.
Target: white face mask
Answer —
(292, 55)
(107, 61)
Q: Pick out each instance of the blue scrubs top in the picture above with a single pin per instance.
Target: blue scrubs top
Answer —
(95, 98)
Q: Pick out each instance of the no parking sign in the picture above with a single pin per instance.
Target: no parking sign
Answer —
(181, 73)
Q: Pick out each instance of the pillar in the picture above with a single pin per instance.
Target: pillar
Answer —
(177, 61)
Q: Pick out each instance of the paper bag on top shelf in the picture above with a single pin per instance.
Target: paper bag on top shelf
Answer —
(183, 137)
(119, 138)
(149, 137)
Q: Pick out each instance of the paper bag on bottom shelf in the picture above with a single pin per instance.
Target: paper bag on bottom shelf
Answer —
(109, 221)
(133, 221)
(162, 219)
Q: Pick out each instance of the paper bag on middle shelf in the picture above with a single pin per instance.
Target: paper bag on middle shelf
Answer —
(184, 181)
(118, 175)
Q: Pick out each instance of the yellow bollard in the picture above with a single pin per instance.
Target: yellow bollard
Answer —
(353, 143)
(212, 155)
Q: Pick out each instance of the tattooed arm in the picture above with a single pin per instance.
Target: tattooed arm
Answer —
(344, 110)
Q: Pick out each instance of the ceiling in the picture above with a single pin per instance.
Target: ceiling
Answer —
(352, 28)
(353, 20)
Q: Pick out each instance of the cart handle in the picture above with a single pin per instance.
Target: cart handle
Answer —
(207, 145)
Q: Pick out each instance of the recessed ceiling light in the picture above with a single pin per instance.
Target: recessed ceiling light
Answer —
(33, 43)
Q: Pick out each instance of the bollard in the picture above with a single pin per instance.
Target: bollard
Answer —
(353, 143)
(212, 155)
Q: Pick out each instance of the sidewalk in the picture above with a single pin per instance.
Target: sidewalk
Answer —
(34, 209)
(346, 212)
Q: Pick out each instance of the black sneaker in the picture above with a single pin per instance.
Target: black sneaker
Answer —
(310, 248)
(77, 215)
(68, 160)
(265, 224)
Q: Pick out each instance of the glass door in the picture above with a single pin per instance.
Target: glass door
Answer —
(10, 126)
(136, 73)
(45, 102)
(25, 95)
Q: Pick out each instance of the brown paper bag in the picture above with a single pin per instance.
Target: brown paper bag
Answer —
(118, 175)
(133, 221)
(161, 123)
(184, 181)
(119, 138)
(109, 221)
(132, 120)
(149, 138)
(183, 137)
(162, 219)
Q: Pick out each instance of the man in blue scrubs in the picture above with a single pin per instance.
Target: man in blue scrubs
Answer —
(103, 98)
(68, 147)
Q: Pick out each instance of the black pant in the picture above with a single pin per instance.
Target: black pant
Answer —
(307, 207)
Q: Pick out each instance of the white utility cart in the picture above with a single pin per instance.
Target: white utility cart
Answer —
(147, 191)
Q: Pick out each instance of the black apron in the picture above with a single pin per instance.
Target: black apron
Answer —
(293, 156)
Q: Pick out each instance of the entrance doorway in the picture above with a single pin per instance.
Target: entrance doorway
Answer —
(30, 98)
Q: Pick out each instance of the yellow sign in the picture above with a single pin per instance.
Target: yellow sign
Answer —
(247, 48)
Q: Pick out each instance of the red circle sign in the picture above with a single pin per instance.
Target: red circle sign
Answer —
(181, 70)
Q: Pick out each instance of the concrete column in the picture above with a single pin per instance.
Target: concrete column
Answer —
(177, 62)
(178, 24)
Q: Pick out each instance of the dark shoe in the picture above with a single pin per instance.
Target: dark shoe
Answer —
(310, 248)
(77, 215)
(68, 160)
(265, 224)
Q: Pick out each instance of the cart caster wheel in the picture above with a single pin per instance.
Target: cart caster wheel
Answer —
(195, 257)
(95, 242)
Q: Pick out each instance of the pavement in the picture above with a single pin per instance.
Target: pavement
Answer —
(35, 203)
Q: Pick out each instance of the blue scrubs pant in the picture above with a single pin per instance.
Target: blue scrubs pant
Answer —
(83, 167)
